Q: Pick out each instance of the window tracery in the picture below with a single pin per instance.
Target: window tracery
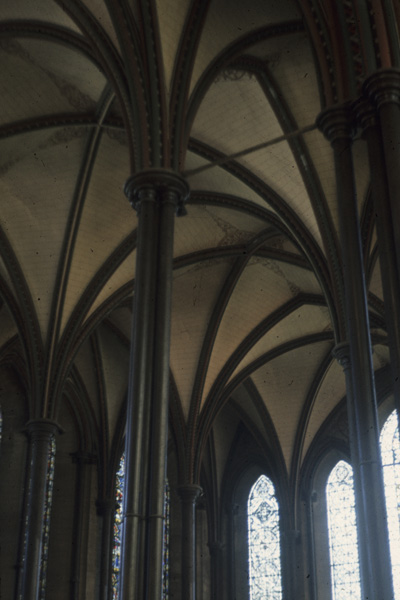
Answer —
(264, 541)
(343, 545)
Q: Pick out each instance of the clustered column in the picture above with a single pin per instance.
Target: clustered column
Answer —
(376, 578)
(157, 195)
(41, 434)
(189, 495)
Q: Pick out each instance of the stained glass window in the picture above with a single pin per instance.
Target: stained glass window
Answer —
(264, 542)
(390, 450)
(343, 545)
(116, 550)
(46, 519)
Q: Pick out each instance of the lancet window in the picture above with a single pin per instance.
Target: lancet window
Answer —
(264, 541)
(343, 545)
(390, 451)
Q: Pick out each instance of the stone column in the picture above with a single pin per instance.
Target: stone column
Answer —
(291, 564)
(41, 434)
(217, 569)
(157, 195)
(189, 495)
(388, 235)
(383, 89)
(106, 509)
(376, 577)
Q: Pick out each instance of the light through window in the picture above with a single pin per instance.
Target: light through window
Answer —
(264, 542)
(390, 450)
(343, 545)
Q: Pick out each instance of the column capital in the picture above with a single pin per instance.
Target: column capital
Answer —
(337, 122)
(47, 427)
(157, 184)
(365, 113)
(190, 492)
(383, 87)
(342, 354)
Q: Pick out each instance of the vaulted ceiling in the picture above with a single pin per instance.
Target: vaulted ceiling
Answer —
(94, 90)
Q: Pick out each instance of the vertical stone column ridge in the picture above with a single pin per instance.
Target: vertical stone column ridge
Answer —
(337, 124)
(189, 495)
(378, 113)
(157, 195)
(41, 433)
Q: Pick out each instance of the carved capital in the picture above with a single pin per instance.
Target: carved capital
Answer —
(365, 114)
(383, 87)
(337, 122)
(190, 493)
(157, 185)
(342, 354)
(42, 428)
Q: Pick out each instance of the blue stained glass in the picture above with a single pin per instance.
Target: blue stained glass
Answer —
(390, 451)
(46, 519)
(343, 545)
(264, 542)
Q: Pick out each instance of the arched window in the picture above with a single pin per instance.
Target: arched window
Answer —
(264, 541)
(46, 519)
(390, 450)
(116, 549)
(343, 545)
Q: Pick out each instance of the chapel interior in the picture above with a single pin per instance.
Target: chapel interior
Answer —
(199, 299)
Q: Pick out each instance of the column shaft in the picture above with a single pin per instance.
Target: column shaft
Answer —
(382, 133)
(41, 434)
(157, 195)
(370, 502)
(189, 495)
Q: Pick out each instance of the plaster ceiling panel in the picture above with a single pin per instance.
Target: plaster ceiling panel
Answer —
(331, 390)
(321, 154)
(375, 284)
(107, 218)
(227, 21)
(98, 8)
(212, 226)
(277, 167)
(283, 384)
(304, 320)
(123, 274)
(290, 62)
(171, 17)
(195, 291)
(221, 181)
(36, 91)
(115, 364)
(40, 10)
(75, 76)
(262, 288)
(35, 213)
(235, 115)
